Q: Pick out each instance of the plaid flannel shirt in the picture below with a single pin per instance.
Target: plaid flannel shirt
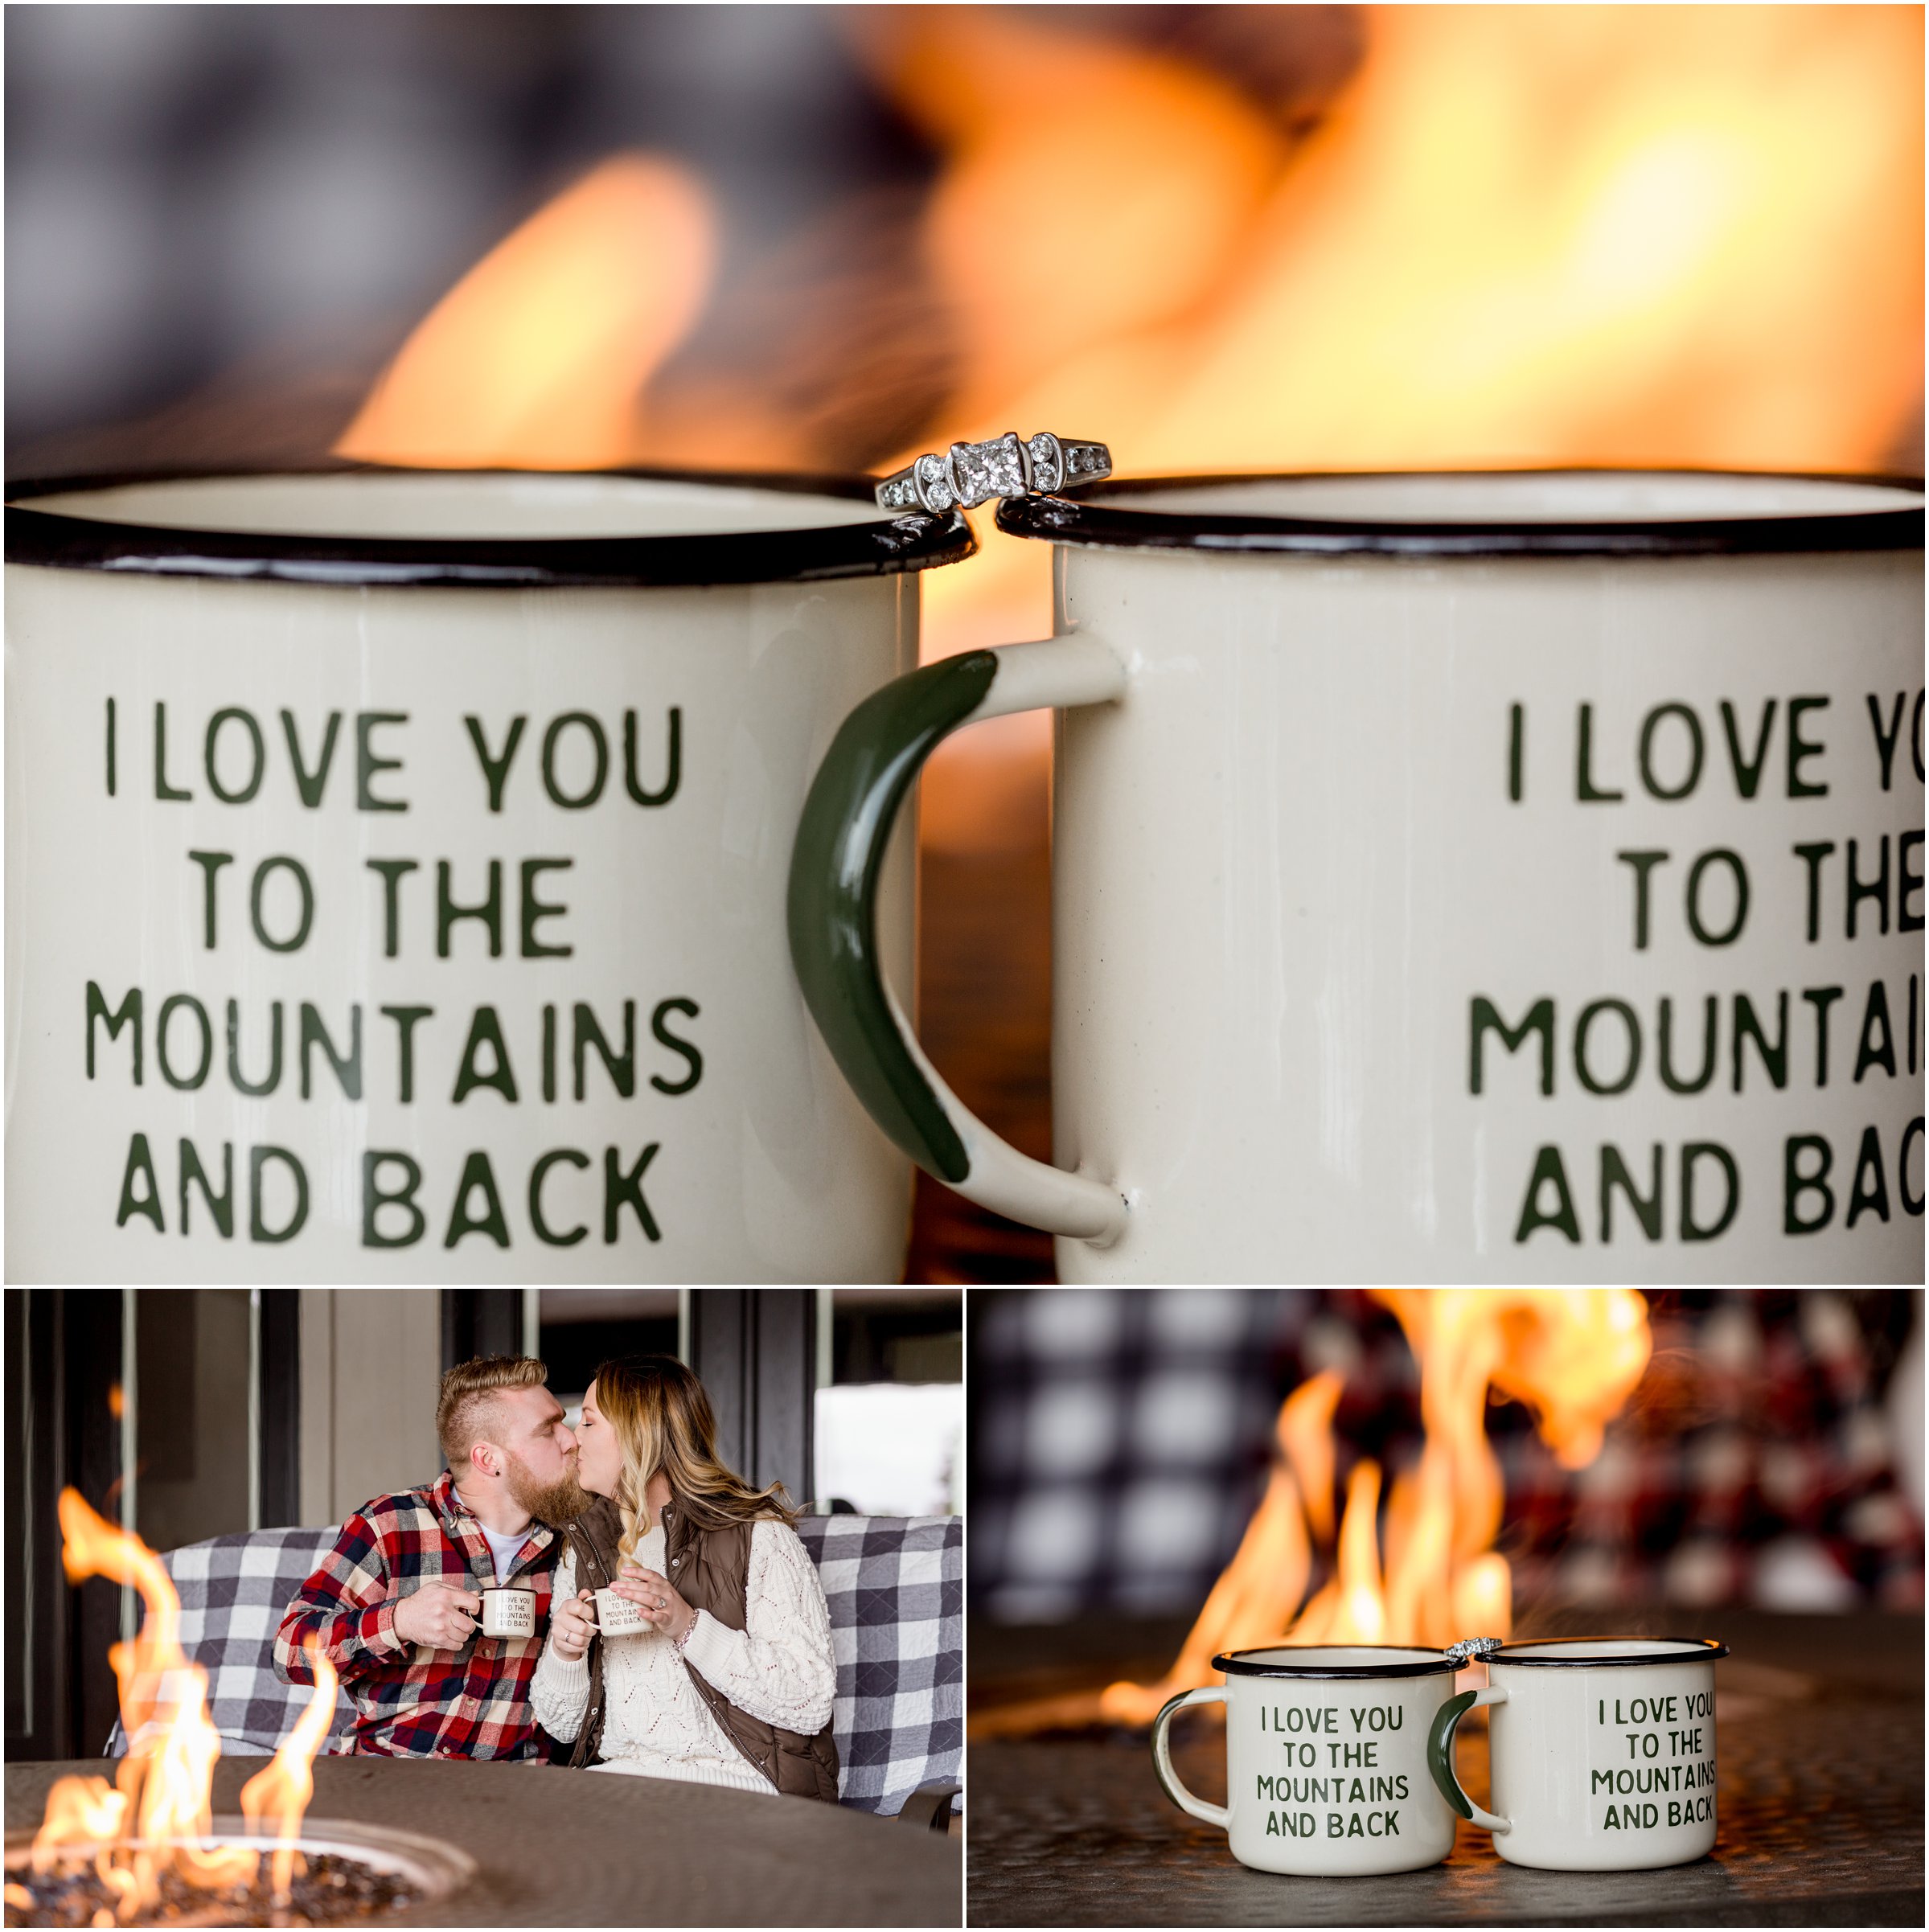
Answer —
(410, 1701)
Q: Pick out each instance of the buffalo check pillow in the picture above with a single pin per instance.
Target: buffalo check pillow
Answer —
(896, 1589)
(233, 1591)
(895, 1585)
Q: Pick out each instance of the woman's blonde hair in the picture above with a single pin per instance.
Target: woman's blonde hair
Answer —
(663, 1421)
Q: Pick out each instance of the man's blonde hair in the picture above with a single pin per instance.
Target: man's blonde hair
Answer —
(464, 1409)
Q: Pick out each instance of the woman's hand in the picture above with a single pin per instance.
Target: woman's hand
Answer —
(656, 1596)
(572, 1625)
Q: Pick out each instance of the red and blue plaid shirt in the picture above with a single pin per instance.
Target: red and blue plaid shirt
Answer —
(411, 1701)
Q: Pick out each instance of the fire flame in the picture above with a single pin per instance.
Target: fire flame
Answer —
(1574, 1355)
(538, 357)
(145, 1821)
(1524, 236)
(1520, 235)
(281, 1792)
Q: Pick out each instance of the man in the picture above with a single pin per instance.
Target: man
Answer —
(396, 1605)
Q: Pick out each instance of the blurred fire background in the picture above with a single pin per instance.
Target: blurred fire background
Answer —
(1770, 1457)
(1220, 238)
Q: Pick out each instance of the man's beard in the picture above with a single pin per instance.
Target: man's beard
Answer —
(562, 1501)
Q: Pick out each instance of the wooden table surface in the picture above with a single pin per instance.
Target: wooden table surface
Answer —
(1820, 1761)
(563, 1847)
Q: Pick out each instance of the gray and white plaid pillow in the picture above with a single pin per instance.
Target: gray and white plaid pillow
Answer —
(896, 1589)
(895, 1585)
(233, 1591)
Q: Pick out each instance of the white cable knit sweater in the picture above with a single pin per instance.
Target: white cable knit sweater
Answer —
(781, 1668)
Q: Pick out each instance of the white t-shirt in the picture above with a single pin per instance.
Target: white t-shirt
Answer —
(503, 1548)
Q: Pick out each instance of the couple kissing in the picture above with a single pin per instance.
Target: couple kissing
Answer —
(730, 1681)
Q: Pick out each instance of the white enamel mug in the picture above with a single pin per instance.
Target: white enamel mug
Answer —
(395, 876)
(617, 1616)
(1602, 1749)
(508, 1611)
(1505, 877)
(1326, 1764)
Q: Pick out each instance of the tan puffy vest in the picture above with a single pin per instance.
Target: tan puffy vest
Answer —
(711, 1570)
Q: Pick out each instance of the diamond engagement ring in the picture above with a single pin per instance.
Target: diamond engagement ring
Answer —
(971, 473)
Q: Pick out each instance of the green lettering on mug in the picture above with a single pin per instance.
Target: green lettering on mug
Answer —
(147, 1202)
(1548, 1171)
(374, 1197)
(257, 768)
(485, 1030)
(367, 763)
(258, 1161)
(538, 1173)
(127, 1014)
(220, 1206)
(476, 1173)
(495, 765)
(309, 785)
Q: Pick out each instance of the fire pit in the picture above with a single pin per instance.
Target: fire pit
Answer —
(345, 1872)
(551, 1847)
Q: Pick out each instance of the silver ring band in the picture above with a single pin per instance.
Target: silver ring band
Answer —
(969, 474)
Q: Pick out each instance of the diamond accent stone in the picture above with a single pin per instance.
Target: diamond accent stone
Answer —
(1044, 463)
(987, 470)
(934, 486)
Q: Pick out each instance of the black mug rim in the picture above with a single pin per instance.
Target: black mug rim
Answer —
(1705, 1649)
(1239, 1664)
(882, 546)
(1109, 525)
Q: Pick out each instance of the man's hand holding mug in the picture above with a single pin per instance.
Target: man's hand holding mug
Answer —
(438, 1616)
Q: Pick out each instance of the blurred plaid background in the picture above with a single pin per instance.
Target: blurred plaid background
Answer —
(1771, 1455)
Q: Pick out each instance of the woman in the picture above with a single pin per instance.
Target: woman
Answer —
(733, 1682)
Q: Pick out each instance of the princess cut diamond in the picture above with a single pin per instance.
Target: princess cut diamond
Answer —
(987, 470)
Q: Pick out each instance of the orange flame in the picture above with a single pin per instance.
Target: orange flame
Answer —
(1522, 234)
(537, 358)
(283, 1789)
(160, 1797)
(1574, 1355)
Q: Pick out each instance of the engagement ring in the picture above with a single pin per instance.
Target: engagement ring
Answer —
(971, 474)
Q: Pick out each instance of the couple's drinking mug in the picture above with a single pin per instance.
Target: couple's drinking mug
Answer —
(1340, 1759)
(444, 876)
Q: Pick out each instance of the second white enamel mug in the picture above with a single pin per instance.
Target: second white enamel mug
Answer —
(1455, 878)
(1602, 1750)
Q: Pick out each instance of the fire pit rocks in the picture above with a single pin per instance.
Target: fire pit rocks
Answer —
(354, 1873)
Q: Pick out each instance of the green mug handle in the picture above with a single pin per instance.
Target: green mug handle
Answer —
(847, 816)
(1440, 1756)
(1162, 1757)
